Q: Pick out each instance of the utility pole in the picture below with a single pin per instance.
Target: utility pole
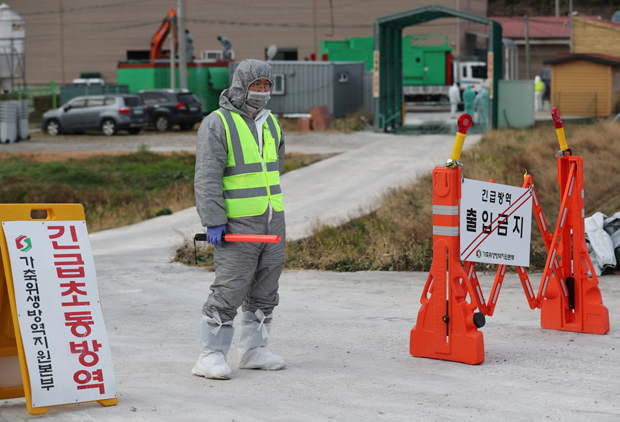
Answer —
(557, 8)
(570, 13)
(182, 44)
(172, 53)
(458, 33)
(62, 45)
(315, 49)
(527, 48)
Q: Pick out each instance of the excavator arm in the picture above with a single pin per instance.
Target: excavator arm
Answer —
(160, 36)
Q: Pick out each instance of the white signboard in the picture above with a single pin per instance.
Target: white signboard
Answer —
(495, 223)
(59, 313)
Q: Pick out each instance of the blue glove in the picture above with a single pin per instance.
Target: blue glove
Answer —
(215, 235)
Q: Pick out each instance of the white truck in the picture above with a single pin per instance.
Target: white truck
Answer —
(472, 74)
(466, 73)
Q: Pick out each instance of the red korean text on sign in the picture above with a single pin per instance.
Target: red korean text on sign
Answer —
(69, 266)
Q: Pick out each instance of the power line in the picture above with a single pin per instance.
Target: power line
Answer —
(290, 25)
(79, 9)
(89, 32)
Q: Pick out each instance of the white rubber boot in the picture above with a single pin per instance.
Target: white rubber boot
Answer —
(216, 339)
(252, 343)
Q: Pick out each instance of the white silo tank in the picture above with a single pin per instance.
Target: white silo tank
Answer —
(12, 48)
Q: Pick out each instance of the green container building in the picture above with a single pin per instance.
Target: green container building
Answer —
(206, 80)
(422, 64)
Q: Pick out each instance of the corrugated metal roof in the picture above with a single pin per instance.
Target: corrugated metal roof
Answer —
(539, 27)
(542, 26)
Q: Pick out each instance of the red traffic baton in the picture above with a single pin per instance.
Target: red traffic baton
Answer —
(251, 238)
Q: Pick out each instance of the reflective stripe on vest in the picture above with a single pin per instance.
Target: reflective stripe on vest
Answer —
(248, 185)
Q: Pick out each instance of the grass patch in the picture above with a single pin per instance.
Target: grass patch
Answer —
(296, 161)
(398, 235)
(115, 189)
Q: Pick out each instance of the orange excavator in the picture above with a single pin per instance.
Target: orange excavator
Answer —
(160, 36)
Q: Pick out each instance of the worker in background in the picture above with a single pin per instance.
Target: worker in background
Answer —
(468, 100)
(485, 105)
(239, 158)
(539, 89)
(454, 94)
(478, 107)
(227, 44)
(189, 46)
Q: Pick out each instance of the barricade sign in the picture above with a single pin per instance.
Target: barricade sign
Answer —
(56, 317)
(495, 222)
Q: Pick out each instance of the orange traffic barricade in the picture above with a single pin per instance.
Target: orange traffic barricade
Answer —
(447, 325)
(569, 296)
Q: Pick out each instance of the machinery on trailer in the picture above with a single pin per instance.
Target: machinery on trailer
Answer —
(428, 67)
(205, 78)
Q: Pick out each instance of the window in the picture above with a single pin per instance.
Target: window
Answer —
(479, 72)
(343, 77)
(78, 103)
(187, 98)
(95, 102)
(132, 101)
(153, 98)
(464, 71)
(278, 84)
(110, 101)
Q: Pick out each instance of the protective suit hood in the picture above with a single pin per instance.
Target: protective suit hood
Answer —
(248, 71)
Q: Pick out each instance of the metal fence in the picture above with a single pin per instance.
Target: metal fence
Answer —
(576, 103)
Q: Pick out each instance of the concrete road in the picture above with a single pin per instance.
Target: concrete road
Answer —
(345, 336)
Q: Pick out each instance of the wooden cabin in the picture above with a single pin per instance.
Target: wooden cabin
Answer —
(585, 84)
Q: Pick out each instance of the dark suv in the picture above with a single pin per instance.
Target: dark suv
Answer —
(169, 107)
(108, 113)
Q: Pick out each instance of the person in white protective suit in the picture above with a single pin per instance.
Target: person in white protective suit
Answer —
(478, 106)
(539, 89)
(454, 94)
(189, 46)
(239, 158)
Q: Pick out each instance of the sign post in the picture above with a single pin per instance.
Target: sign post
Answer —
(54, 322)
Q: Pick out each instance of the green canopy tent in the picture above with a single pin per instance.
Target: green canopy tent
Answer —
(388, 82)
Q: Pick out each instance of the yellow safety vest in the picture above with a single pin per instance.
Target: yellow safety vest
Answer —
(539, 86)
(251, 183)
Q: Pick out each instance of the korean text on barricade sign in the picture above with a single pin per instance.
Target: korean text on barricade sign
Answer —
(495, 223)
(59, 313)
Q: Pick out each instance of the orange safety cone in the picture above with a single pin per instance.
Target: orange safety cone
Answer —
(574, 303)
(447, 327)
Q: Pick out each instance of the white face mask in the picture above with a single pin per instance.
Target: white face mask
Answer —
(258, 99)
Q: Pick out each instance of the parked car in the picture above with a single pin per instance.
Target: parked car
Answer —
(170, 107)
(108, 113)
